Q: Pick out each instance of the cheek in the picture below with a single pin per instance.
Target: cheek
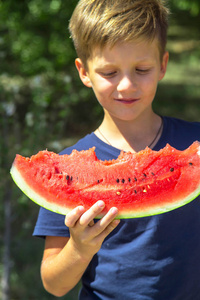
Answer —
(149, 84)
(102, 87)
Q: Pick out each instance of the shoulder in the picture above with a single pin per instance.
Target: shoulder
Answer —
(183, 124)
(180, 133)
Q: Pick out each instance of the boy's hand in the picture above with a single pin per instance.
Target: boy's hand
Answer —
(85, 235)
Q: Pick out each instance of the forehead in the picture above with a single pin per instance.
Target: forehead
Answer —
(138, 50)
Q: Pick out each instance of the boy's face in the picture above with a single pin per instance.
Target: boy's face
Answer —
(125, 77)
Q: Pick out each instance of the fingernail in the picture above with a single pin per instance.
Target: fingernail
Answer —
(81, 209)
(101, 204)
(114, 210)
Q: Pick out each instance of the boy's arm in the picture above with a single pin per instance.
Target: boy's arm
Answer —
(65, 259)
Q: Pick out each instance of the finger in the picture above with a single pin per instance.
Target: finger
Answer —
(103, 223)
(91, 213)
(73, 216)
(107, 224)
(108, 229)
(107, 219)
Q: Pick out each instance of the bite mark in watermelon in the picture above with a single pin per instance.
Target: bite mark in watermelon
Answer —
(138, 184)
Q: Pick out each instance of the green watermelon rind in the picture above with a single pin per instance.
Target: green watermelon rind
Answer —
(38, 199)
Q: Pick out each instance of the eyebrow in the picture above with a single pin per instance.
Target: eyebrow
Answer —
(105, 66)
(102, 66)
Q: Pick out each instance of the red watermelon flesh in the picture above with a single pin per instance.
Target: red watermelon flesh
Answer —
(138, 184)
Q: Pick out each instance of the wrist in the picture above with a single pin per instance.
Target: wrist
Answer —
(84, 256)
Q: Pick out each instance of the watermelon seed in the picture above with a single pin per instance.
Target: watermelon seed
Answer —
(117, 180)
(71, 178)
(152, 173)
(67, 177)
(98, 181)
(123, 180)
(135, 179)
(171, 169)
(145, 175)
(135, 191)
(190, 164)
(129, 179)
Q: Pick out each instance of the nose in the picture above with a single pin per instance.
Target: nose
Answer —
(127, 83)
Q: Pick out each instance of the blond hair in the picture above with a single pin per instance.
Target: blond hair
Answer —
(98, 23)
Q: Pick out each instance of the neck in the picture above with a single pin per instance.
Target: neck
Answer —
(131, 136)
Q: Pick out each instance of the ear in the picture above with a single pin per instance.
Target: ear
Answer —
(163, 67)
(84, 76)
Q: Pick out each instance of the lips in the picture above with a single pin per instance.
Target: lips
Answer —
(127, 100)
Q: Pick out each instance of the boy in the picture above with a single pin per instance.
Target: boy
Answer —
(121, 56)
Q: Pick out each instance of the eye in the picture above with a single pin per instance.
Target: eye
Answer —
(108, 74)
(142, 71)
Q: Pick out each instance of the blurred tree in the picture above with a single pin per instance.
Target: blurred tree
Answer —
(37, 95)
(193, 6)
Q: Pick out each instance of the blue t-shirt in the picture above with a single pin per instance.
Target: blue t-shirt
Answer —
(151, 258)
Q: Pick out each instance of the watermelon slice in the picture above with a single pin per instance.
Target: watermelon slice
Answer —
(141, 184)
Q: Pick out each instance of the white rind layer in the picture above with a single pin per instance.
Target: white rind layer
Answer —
(38, 199)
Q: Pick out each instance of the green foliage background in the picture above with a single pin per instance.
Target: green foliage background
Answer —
(43, 105)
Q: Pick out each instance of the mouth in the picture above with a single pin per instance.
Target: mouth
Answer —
(127, 101)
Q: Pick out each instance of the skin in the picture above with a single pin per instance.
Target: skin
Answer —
(124, 80)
